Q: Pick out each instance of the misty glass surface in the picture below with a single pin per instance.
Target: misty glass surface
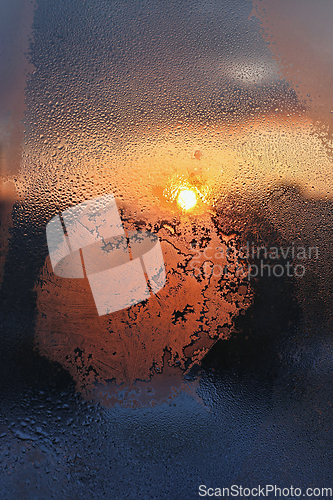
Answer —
(208, 124)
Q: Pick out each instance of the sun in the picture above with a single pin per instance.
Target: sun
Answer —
(186, 199)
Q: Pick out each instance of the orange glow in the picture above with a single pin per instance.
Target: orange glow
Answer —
(187, 199)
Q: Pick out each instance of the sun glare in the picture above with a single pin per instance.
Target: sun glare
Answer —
(187, 199)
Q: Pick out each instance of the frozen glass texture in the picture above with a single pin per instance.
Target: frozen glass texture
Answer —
(166, 247)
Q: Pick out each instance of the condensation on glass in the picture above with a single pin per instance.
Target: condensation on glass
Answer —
(208, 124)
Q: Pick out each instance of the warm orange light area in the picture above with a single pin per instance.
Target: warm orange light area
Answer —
(149, 171)
(185, 193)
(187, 199)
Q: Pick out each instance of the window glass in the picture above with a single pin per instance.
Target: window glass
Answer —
(165, 247)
